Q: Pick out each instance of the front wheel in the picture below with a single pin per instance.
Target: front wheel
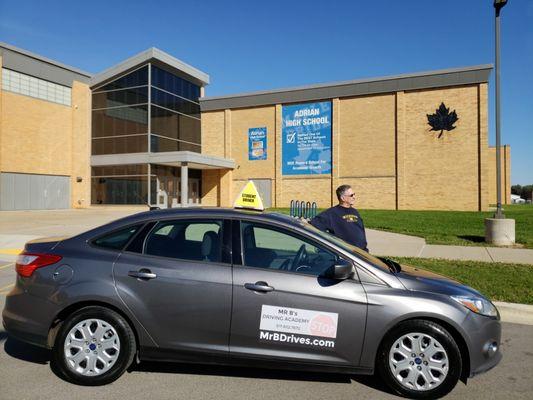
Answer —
(419, 359)
(94, 346)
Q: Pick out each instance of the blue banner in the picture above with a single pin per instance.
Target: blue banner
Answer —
(257, 144)
(306, 138)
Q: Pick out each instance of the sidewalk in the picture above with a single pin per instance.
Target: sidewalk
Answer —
(397, 245)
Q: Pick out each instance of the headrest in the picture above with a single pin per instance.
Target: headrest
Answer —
(210, 244)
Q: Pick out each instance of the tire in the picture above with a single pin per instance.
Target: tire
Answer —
(93, 347)
(419, 377)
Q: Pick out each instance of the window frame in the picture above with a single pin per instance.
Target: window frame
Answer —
(238, 253)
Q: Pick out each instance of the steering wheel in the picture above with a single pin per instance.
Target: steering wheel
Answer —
(300, 256)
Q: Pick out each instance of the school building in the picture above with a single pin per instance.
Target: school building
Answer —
(144, 132)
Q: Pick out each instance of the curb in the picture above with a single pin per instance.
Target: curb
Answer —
(515, 313)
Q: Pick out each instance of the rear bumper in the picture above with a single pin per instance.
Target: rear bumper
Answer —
(18, 333)
(29, 326)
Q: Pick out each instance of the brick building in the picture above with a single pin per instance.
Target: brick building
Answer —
(380, 143)
(142, 132)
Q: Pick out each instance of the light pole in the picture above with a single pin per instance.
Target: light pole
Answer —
(498, 5)
(499, 230)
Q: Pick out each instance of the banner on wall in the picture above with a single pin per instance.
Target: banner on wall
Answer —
(257, 144)
(306, 139)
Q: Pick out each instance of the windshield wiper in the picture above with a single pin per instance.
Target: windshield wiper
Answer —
(393, 265)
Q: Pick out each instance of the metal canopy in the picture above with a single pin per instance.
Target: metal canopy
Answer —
(172, 158)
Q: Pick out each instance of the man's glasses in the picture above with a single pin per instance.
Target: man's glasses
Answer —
(350, 195)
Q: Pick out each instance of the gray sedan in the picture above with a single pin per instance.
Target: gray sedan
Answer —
(222, 286)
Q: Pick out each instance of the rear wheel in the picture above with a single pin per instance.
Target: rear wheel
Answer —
(94, 346)
(420, 359)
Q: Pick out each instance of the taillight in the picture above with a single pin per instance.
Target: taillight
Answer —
(29, 262)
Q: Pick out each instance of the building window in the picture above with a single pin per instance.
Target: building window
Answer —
(120, 114)
(121, 97)
(172, 131)
(27, 85)
(120, 184)
(139, 77)
(174, 84)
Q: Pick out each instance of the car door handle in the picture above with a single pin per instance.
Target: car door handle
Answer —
(259, 287)
(142, 274)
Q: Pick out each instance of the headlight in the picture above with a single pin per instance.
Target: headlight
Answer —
(478, 305)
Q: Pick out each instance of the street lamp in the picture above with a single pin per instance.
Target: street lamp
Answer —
(498, 5)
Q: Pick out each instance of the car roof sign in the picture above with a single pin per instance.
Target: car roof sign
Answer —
(249, 198)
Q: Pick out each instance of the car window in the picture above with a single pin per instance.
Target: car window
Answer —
(197, 231)
(117, 239)
(278, 249)
(346, 246)
(186, 239)
(136, 245)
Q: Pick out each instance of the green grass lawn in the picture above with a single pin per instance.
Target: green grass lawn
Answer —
(463, 228)
(498, 281)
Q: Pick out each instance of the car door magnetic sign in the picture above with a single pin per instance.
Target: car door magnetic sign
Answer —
(304, 326)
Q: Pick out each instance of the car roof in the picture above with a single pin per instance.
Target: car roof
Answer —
(207, 212)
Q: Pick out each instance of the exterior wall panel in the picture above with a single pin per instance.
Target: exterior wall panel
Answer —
(81, 146)
(241, 121)
(34, 192)
(213, 133)
(367, 136)
(505, 163)
(373, 193)
(440, 173)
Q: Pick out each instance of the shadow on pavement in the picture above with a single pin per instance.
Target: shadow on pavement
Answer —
(240, 372)
(27, 352)
(196, 369)
(24, 351)
(374, 382)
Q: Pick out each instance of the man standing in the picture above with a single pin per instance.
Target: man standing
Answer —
(343, 220)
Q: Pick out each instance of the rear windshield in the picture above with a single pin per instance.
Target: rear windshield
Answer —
(369, 258)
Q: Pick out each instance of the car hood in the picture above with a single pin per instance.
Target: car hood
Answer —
(414, 278)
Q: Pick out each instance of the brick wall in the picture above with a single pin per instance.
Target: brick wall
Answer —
(505, 163)
(41, 137)
(382, 146)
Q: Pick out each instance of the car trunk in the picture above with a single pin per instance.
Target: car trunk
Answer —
(43, 244)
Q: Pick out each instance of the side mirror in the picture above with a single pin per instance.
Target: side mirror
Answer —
(341, 270)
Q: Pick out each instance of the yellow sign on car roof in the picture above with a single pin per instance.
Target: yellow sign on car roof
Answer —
(249, 198)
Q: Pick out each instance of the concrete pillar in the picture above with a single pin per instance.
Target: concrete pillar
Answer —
(184, 184)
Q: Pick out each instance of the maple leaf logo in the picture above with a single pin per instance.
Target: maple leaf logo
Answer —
(442, 120)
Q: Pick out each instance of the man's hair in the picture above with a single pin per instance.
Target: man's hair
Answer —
(341, 190)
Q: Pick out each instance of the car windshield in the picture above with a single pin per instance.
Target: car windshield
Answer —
(348, 247)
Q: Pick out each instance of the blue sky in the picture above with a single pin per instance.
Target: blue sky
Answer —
(250, 45)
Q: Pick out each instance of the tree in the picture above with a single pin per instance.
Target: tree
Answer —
(516, 189)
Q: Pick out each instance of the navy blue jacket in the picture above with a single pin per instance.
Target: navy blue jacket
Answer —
(343, 222)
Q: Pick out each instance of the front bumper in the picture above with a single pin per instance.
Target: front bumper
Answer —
(484, 336)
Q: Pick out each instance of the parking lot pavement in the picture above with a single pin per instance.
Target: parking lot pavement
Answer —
(7, 277)
(25, 373)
